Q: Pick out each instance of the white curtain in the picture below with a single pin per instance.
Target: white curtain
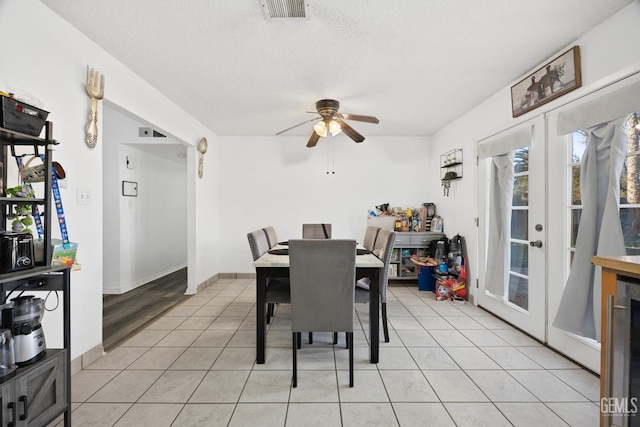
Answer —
(499, 238)
(600, 232)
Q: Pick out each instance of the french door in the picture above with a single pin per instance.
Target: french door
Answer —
(513, 273)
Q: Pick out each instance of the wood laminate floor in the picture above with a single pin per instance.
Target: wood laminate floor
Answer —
(124, 315)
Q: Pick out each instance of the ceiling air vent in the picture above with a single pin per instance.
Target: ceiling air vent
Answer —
(275, 9)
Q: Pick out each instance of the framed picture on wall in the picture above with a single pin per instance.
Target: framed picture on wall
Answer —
(556, 78)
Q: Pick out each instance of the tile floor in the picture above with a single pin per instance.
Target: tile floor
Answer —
(446, 365)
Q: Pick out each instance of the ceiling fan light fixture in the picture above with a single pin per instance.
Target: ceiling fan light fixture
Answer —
(320, 128)
(334, 127)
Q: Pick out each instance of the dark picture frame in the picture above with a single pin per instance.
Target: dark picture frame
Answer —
(557, 77)
(130, 188)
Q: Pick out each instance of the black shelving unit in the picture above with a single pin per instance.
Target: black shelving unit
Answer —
(9, 140)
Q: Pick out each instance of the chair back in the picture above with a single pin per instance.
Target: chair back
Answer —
(383, 248)
(272, 240)
(316, 231)
(322, 274)
(258, 243)
(370, 237)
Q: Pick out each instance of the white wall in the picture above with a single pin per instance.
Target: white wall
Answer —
(608, 51)
(278, 181)
(48, 58)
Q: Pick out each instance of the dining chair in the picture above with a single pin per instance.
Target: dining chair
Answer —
(370, 237)
(382, 249)
(277, 291)
(322, 274)
(316, 231)
(272, 239)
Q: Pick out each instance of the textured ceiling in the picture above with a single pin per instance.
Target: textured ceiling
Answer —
(415, 64)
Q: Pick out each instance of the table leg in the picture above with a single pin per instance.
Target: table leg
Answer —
(261, 319)
(374, 314)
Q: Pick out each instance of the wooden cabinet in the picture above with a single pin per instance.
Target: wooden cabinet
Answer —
(40, 392)
(406, 246)
(615, 271)
(36, 395)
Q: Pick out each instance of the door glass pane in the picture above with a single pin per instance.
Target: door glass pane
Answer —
(521, 191)
(578, 145)
(520, 224)
(520, 258)
(575, 222)
(521, 160)
(519, 291)
(576, 198)
(630, 221)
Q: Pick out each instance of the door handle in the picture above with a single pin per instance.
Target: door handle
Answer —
(536, 243)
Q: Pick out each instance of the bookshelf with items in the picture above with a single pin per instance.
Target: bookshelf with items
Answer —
(409, 245)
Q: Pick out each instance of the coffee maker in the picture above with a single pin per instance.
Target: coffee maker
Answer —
(25, 317)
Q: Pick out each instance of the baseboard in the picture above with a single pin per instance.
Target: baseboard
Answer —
(86, 359)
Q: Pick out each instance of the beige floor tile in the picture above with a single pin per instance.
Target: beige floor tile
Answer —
(547, 358)
(118, 358)
(128, 386)
(407, 386)
(173, 387)
(146, 338)
(450, 338)
(421, 414)
(196, 359)
(179, 338)
(396, 358)
(220, 387)
(98, 414)
(469, 358)
(267, 386)
(167, 322)
(416, 338)
(454, 386)
(315, 386)
(149, 414)
(529, 414)
(585, 382)
(197, 322)
(211, 338)
(367, 387)
(499, 386)
(259, 415)
(86, 382)
(476, 414)
(235, 359)
(432, 358)
(243, 339)
(210, 415)
(510, 358)
(314, 415)
(546, 387)
(368, 414)
(580, 414)
(158, 358)
(483, 337)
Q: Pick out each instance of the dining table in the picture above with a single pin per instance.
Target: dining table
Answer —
(276, 265)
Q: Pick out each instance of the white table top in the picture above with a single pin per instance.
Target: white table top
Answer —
(269, 260)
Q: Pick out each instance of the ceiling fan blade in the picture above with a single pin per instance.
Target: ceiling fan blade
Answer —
(299, 124)
(350, 132)
(360, 118)
(313, 139)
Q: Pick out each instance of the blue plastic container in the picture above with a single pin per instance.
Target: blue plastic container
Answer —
(426, 279)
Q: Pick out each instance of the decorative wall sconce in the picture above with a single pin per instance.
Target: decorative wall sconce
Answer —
(95, 90)
(202, 148)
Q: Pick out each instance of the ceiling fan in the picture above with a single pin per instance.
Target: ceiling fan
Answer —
(331, 121)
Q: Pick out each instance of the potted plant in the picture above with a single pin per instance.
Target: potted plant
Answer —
(21, 214)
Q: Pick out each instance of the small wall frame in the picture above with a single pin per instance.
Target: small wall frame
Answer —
(130, 188)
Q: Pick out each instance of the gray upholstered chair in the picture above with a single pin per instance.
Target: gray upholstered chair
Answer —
(370, 237)
(272, 239)
(322, 274)
(316, 231)
(277, 289)
(383, 248)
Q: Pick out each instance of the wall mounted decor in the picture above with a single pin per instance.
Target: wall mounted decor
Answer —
(202, 148)
(130, 188)
(554, 79)
(450, 168)
(95, 90)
